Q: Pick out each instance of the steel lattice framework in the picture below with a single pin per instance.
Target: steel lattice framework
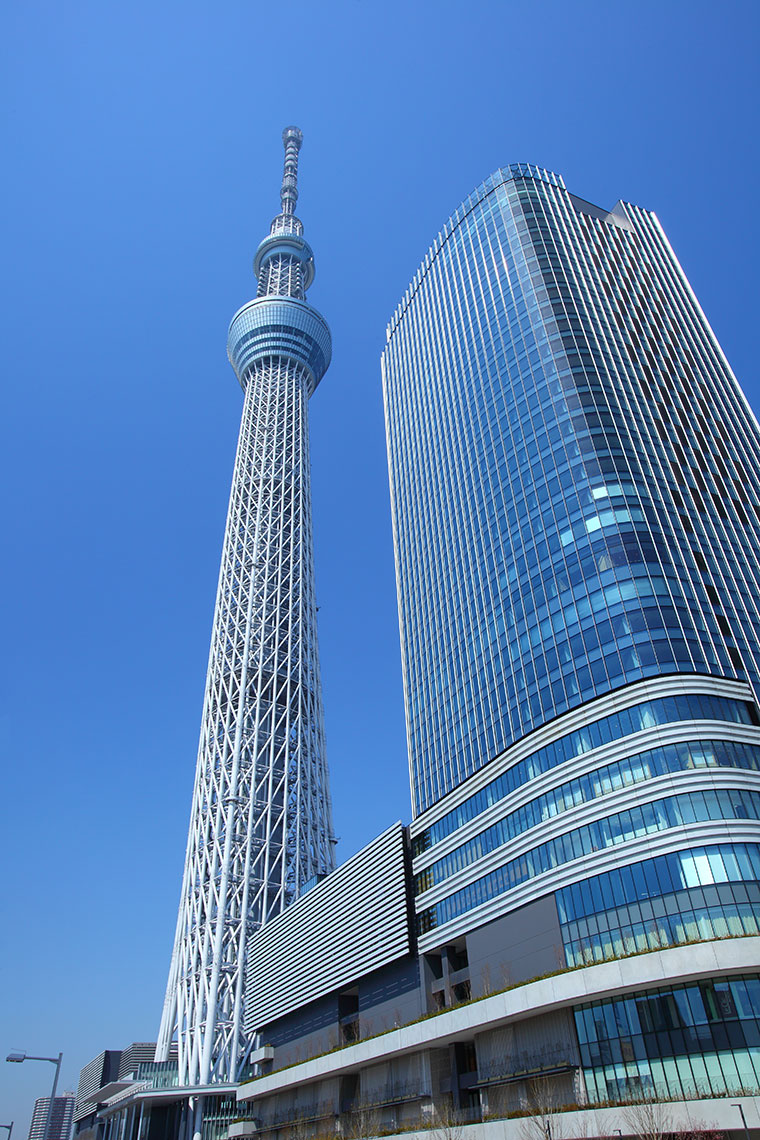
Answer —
(261, 820)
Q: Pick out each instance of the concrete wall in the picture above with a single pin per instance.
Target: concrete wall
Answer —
(387, 997)
(308, 1031)
(390, 996)
(524, 944)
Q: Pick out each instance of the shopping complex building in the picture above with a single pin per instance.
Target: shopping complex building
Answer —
(568, 931)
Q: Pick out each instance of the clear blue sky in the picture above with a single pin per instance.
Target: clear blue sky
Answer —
(142, 165)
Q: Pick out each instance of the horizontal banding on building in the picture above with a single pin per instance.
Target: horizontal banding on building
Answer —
(280, 327)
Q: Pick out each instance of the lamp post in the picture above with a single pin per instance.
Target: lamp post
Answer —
(9, 1127)
(744, 1119)
(17, 1058)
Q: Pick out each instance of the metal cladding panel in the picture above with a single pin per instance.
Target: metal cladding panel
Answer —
(131, 1057)
(93, 1076)
(354, 921)
(91, 1079)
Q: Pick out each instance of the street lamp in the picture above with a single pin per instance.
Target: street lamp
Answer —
(9, 1127)
(744, 1119)
(17, 1058)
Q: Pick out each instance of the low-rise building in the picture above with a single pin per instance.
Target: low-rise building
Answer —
(360, 1032)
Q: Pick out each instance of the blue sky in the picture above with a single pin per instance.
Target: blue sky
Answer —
(142, 166)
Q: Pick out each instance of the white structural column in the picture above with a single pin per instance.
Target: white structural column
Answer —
(261, 823)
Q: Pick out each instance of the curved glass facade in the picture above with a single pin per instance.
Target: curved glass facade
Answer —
(647, 714)
(574, 481)
(688, 895)
(641, 819)
(682, 757)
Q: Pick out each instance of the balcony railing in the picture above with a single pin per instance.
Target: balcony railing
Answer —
(526, 1066)
(296, 1114)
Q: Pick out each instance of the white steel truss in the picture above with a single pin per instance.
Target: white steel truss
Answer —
(261, 820)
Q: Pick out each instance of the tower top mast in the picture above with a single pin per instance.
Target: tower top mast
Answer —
(286, 221)
(292, 138)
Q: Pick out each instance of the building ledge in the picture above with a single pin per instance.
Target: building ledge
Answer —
(112, 1089)
(143, 1093)
(688, 1117)
(712, 1114)
(264, 1053)
(590, 983)
(242, 1128)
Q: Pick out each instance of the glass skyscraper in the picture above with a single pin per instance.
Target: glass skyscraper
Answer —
(576, 505)
(574, 474)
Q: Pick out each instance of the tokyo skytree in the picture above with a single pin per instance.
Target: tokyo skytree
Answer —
(261, 818)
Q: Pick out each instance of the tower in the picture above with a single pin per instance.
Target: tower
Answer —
(260, 824)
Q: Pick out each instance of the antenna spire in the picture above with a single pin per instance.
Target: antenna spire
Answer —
(291, 139)
(284, 263)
